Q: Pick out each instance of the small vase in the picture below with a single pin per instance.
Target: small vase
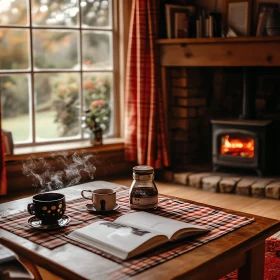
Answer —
(96, 137)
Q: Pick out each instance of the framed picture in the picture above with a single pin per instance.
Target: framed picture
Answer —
(261, 12)
(177, 19)
(238, 16)
(8, 142)
(259, 4)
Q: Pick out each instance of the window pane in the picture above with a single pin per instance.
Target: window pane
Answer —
(96, 13)
(97, 89)
(13, 12)
(14, 49)
(58, 105)
(15, 105)
(55, 49)
(97, 52)
(55, 13)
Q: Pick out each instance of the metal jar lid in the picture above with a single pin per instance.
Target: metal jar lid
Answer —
(143, 169)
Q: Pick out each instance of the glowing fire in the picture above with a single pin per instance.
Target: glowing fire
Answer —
(237, 146)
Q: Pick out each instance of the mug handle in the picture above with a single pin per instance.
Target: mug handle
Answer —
(86, 197)
(31, 208)
(102, 205)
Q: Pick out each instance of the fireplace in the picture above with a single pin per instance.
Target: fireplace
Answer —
(246, 144)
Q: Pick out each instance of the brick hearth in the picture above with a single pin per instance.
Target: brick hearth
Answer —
(268, 187)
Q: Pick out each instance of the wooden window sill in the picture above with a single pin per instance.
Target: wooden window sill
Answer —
(47, 150)
(108, 159)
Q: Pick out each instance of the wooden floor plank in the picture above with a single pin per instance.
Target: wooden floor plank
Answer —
(274, 214)
(232, 201)
(262, 207)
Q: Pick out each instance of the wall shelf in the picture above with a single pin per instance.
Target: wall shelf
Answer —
(239, 51)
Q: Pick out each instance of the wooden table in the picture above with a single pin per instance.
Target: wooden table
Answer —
(242, 248)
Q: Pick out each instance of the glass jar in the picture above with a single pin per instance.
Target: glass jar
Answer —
(143, 193)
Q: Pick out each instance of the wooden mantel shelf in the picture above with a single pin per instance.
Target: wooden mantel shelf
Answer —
(218, 40)
(241, 51)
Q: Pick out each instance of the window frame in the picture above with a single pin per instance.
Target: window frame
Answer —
(117, 32)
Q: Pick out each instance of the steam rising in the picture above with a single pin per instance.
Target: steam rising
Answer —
(72, 169)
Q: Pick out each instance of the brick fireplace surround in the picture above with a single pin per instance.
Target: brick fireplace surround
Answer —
(199, 94)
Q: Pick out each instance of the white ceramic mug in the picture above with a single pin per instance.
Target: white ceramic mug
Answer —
(102, 199)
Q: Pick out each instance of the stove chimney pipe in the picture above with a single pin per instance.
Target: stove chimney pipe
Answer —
(249, 94)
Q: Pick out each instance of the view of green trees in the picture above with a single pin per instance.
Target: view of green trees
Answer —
(60, 93)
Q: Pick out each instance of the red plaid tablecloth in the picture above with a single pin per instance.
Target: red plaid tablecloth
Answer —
(219, 222)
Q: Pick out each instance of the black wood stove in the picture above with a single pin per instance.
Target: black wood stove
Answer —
(246, 143)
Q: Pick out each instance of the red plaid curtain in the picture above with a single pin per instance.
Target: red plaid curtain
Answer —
(3, 180)
(145, 141)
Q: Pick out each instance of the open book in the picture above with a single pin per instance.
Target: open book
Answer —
(133, 234)
(11, 267)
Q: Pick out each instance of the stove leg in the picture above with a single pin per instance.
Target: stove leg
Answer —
(259, 172)
(216, 168)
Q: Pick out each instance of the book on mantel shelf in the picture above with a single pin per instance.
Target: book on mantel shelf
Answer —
(134, 233)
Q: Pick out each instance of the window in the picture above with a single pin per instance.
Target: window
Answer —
(58, 67)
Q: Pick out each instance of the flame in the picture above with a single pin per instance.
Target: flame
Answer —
(235, 146)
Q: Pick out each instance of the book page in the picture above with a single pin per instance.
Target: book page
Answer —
(159, 224)
(116, 239)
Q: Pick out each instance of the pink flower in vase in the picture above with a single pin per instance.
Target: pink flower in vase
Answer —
(97, 103)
